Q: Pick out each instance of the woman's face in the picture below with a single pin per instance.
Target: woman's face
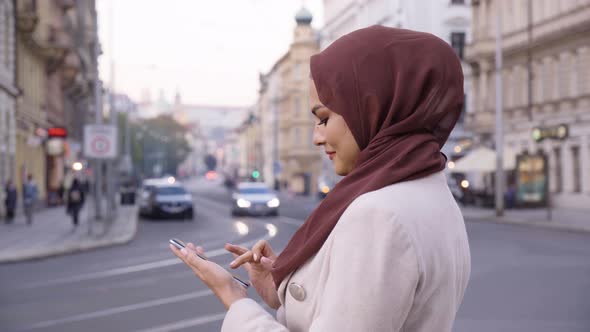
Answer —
(332, 132)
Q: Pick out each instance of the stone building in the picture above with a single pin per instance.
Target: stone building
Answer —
(290, 158)
(546, 84)
(8, 94)
(449, 20)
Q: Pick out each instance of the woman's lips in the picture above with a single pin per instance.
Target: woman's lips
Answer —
(331, 155)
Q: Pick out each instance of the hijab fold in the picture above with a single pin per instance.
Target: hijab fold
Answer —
(400, 92)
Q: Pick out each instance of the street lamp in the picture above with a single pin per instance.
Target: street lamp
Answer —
(77, 166)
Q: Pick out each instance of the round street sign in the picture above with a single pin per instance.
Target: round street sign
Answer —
(100, 145)
(100, 142)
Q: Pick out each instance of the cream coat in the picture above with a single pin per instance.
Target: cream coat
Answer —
(398, 260)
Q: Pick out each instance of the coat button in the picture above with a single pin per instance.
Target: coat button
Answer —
(297, 291)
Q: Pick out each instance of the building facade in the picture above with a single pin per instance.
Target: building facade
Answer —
(56, 67)
(8, 94)
(291, 161)
(450, 20)
(546, 84)
(31, 117)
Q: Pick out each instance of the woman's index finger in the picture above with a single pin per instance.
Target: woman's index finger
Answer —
(235, 249)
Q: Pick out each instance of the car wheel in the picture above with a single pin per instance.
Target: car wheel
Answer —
(189, 215)
(275, 213)
(235, 213)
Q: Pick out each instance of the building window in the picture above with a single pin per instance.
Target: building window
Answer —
(297, 71)
(297, 137)
(558, 182)
(458, 43)
(463, 111)
(576, 165)
(297, 105)
(5, 34)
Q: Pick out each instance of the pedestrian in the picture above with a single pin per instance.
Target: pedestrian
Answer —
(30, 195)
(10, 201)
(387, 249)
(75, 201)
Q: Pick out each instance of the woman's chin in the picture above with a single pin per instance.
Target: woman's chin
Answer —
(342, 171)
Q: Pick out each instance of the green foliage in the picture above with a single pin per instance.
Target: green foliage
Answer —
(160, 140)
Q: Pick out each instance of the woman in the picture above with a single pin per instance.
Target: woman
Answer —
(75, 202)
(386, 250)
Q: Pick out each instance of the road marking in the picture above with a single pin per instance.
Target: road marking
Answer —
(119, 310)
(183, 324)
(132, 269)
(290, 221)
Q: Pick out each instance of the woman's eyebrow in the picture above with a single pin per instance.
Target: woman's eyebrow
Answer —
(315, 108)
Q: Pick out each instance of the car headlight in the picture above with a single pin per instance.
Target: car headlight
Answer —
(243, 203)
(273, 203)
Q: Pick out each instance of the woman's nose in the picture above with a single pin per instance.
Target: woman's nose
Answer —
(318, 136)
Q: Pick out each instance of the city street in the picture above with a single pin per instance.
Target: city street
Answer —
(523, 278)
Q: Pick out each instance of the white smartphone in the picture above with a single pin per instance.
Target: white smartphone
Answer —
(179, 245)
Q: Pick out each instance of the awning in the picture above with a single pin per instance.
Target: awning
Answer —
(483, 160)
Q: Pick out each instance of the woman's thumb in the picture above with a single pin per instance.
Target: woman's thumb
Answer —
(266, 263)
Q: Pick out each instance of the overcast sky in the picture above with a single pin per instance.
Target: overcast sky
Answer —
(210, 50)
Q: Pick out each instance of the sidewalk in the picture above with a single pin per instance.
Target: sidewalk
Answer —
(52, 233)
(562, 219)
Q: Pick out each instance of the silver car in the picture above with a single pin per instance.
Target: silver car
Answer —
(170, 199)
(254, 198)
(144, 195)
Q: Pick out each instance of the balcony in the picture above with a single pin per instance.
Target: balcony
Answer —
(479, 122)
(53, 43)
(70, 68)
(66, 4)
(514, 41)
(26, 17)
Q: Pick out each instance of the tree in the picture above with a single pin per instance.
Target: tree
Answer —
(161, 141)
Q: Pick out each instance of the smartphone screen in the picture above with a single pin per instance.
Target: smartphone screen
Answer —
(179, 245)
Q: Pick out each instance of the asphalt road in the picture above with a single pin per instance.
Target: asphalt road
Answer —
(523, 279)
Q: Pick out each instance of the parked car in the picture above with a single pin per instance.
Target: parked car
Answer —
(144, 194)
(169, 200)
(254, 198)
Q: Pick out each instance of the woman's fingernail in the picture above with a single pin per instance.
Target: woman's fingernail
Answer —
(255, 257)
(184, 251)
(232, 263)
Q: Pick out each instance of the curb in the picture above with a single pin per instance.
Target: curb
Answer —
(38, 254)
(537, 224)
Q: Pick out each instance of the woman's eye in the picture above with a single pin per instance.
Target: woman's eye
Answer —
(323, 121)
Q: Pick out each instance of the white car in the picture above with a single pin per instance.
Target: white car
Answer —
(254, 198)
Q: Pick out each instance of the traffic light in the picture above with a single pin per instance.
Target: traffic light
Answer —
(255, 175)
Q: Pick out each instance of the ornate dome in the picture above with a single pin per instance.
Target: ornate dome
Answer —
(303, 16)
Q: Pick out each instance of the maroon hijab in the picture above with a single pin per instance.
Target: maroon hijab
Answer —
(400, 93)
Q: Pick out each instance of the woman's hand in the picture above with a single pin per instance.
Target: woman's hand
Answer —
(218, 279)
(258, 262)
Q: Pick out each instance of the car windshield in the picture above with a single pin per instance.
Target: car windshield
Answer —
(258, 190)
(170, 191)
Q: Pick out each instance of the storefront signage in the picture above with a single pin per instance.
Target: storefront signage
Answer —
(55, 147)
(57, 132)
(559, 132)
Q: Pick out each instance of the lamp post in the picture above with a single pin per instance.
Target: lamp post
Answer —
(499, 196)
